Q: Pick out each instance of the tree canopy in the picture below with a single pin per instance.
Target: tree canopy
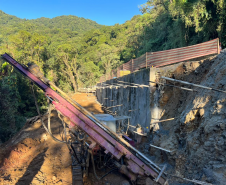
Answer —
(74, 52)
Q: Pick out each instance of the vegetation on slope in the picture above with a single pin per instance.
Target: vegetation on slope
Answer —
(74, 52)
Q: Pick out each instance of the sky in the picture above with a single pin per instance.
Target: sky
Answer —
(105, 12)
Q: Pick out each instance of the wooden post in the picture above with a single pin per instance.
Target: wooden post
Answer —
(132, 65)
(146, 60)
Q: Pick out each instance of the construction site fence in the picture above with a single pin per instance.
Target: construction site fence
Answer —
(163, 58)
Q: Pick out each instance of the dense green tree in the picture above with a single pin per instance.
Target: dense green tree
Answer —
(74, 52)
(195, 21)
(69, 66)
(108, 57)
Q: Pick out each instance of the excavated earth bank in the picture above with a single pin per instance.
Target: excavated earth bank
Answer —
(197, 135)
(33, 157)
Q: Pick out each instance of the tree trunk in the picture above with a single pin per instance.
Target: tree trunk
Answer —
(70, 73)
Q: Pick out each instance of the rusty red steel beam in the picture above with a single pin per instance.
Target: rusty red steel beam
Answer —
(179, 51)
(139, 64)
(174, 54)
(142, 57)
(176, 60)
(128, 64)
(182, 55)
(215, 41)
(90, 126)
(140, 61)
(180, 58)
(171, 56)
(156, 57)
(199, 47)
(168, 63)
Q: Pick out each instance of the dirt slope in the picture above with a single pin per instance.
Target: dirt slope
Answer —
(88, 101)
(32, 157)
(197, 135)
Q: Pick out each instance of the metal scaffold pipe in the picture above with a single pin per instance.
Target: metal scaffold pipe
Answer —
(139, 85)
(160, 121)
(160, 148)
(183, 88)
(195, 85)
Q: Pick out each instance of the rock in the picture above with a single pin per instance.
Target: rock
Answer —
(54, 178)
(221, 141)
(219, 106)
(213, 125)
(208, 144)
(222, 126)
(125, 183)
(156, 140)
(209, 175)
(218, 166)
(201, 112)
(7, 178)
(212, 149)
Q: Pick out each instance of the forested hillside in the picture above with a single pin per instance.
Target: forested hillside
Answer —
(32, 41)
(74, 52)
(11, 24)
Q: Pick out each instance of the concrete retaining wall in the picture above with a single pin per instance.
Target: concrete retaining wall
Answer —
(142, 104)
(129, 101)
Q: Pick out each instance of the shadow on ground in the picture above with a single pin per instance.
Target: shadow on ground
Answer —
(32, 169)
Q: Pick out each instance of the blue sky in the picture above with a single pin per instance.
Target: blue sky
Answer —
(106, 12)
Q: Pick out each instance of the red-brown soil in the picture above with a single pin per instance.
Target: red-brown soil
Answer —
(88, 101)
(33, 157)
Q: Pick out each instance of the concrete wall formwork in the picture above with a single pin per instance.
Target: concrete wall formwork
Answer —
(126, 100)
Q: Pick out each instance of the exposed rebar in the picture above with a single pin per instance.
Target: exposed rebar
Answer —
(196, 85)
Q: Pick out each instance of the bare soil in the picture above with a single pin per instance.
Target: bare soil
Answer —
(33, 157)
(89, 102)
(197, 135)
